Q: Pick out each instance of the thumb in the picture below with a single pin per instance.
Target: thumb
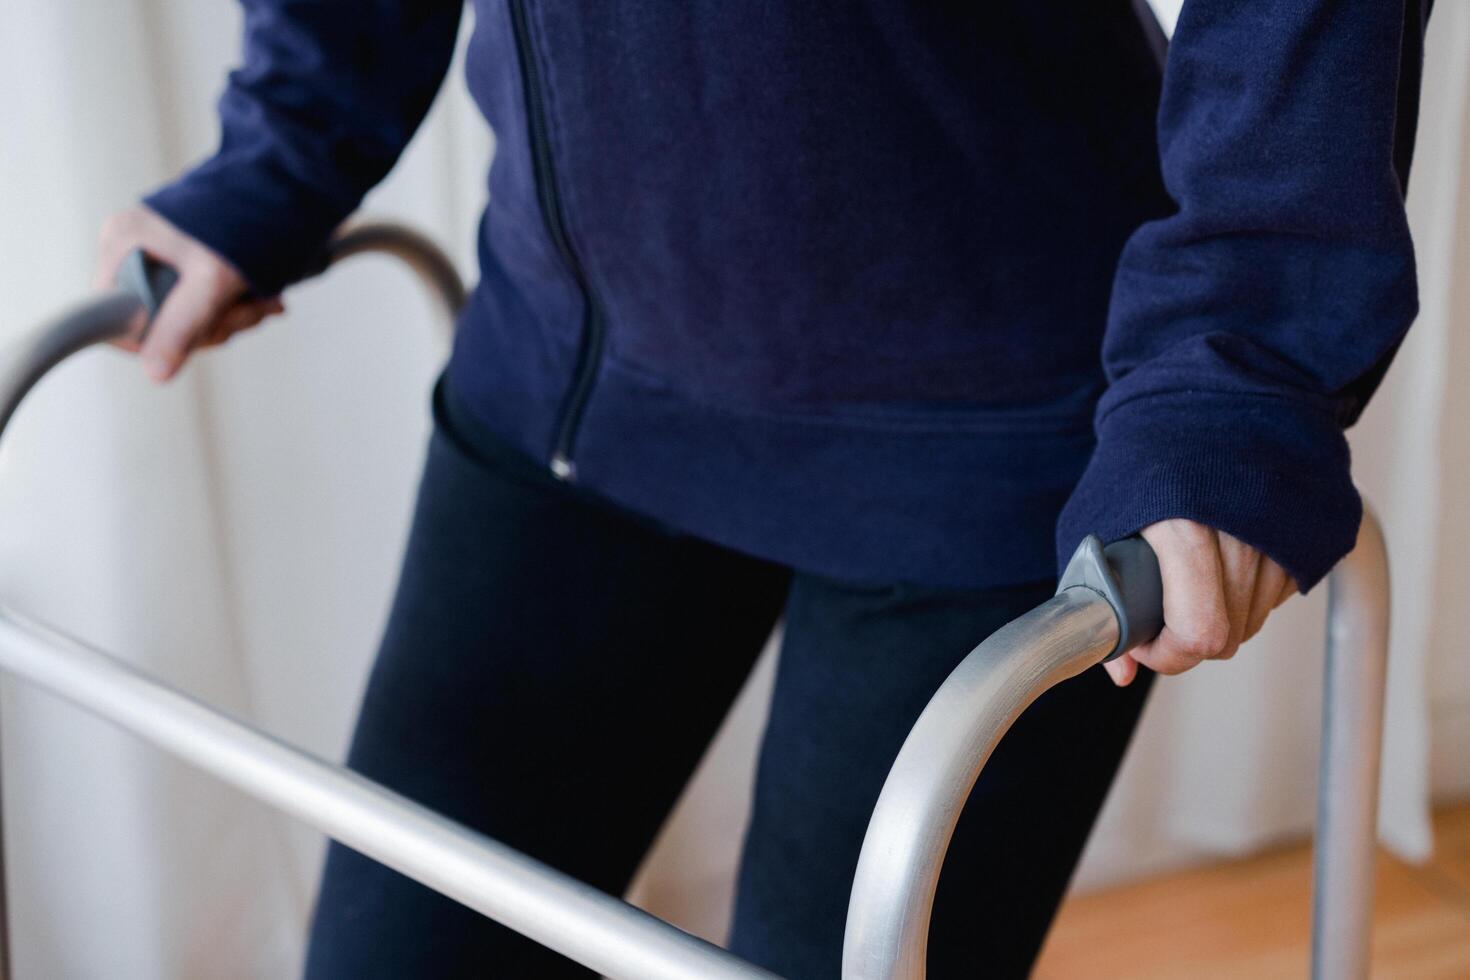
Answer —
(189, 311)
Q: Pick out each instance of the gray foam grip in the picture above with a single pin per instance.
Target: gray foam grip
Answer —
(147, 278)
(1126, 574)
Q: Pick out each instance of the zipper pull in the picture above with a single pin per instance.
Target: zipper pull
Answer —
(563, 468)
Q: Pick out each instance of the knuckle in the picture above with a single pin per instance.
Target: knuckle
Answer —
(1177, 664)
(1209, 638)
(206, 273)
(214, 276)
(1194, 532)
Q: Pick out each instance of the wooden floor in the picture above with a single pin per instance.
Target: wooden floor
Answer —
(1251, 919)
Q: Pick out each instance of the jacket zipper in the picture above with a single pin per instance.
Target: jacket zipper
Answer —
(589, 351)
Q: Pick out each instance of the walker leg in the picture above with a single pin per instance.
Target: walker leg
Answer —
(1352, 737)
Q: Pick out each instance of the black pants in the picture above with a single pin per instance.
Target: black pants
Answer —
(554, 667)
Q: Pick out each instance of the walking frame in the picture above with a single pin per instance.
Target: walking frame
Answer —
(1109, 600)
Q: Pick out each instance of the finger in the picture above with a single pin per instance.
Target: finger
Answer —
(236, 318)
(1122, 670)
(1266, 597)
(1287, 591)
(1196, 623)
(1241, 565)
(191, 308)
(244, 316)
(260, 309)
(241, 316)
(239, 319)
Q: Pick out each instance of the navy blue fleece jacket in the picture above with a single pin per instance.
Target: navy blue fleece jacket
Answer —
(881, 289)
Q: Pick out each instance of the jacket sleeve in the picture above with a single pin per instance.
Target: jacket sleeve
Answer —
(326, 97)
(1248, 327)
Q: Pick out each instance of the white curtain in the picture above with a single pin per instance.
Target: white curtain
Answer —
(237, 533)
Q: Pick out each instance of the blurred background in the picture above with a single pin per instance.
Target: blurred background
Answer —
(237, 533)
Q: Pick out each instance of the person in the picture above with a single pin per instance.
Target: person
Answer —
(854, 315)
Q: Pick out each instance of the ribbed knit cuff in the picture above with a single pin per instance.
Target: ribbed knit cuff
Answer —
(1269, 471)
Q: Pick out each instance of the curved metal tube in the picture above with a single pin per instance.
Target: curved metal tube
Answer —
(561, 913)
(1354, 680)
(104, 318)
(552, 908)
(111, 315)
(114, 313)
(893, 890)
(415, 250)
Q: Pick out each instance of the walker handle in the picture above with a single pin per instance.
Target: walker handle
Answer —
(143, 280)
(1126, 574)
(148, 278)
